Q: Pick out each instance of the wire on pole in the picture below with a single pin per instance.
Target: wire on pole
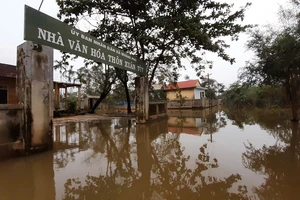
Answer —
(41, 4)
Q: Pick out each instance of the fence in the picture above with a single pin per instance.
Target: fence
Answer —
(191, 104)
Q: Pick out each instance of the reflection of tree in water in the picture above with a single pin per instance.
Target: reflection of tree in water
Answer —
(105, 138)
(221, 119)
(214, 122)
(273, 121)
(240, 118)
(267, 119)
(280, 162)
(174, 180)
(162, 171)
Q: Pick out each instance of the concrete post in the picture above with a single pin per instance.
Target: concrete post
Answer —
(66, 92)
(142, 99)
(56, 97)
(79, 99)
(66, 96)
(157, 109)
(35, 93)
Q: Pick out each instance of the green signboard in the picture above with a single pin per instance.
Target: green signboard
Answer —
(46, 30)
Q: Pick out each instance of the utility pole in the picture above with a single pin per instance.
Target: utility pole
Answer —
(210, 98)
(210, 107)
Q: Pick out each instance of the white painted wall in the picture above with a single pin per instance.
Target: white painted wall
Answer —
(199, 93)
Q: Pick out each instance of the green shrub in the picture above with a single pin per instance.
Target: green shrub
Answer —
(71, 103)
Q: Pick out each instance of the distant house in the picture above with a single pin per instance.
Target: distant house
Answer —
(8, 95)
(189, 90)
(8, 84)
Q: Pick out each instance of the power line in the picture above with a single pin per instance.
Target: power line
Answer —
(41, 4)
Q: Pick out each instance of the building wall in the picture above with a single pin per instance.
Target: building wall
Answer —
(10, 123)
(10, 83)
(187, 93)
(199, 93)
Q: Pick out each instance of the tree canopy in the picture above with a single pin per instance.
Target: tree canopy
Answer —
(160, 32)
(277, 56)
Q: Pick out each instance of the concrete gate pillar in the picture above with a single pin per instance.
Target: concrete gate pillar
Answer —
(35, 93)
(141, 100)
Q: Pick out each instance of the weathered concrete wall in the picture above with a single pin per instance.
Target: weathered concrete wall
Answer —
(10, 123)
(157, 110)
(141, 99)
(10, 83)
(35, 92)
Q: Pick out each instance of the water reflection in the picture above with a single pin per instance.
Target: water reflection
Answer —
(28, 178)
(280, 162)
(209, 154)
(149, 168)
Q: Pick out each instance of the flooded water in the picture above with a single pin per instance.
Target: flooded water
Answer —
(191, 155)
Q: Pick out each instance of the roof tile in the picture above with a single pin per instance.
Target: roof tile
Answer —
(183, 85)
(9, 71)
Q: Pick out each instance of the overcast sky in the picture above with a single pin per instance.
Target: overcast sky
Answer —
(12, 17)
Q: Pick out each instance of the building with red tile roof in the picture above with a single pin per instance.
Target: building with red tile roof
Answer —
(183, 85)
(190, 89)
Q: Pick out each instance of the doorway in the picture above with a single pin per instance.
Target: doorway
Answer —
(3, 95)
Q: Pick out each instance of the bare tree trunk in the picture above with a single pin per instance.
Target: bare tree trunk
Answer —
(123, 77)
(295, 106)
(101, 98)
(291, 90)
(127, 98)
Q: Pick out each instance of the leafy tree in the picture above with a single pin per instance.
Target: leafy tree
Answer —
(234, 94)
(71, 102)
(160, 32)
(258, 96)
(158, 94)
(214, 88)
(118, 94)
(277, 59)
(97, 80)
(123, 77)
(210, 93)
(65, 68)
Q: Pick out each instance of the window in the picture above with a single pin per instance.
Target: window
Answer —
(202, 94)
(3, 94)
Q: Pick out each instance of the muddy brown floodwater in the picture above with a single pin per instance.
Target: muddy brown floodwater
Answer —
(222, 154)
